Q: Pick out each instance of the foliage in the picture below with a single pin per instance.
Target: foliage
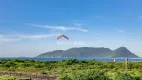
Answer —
(9, 78)
(72, 69)
(90, 75)
(125, 76)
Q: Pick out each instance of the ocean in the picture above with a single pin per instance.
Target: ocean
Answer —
(60, 59)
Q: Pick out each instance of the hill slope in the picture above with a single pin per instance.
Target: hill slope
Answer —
(123, 52)
(85, 52)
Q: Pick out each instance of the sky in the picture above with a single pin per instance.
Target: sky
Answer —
(31, 27)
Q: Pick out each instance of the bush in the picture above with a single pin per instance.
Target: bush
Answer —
(70, 61)
(82, 61)
(90, 75)
(125, 76)
(64, 77)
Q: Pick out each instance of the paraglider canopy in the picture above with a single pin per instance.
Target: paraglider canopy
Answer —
(62, 36)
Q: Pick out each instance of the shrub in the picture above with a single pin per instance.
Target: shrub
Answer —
(64, 77)
(90, 75)
(125, 76)
(70, 61)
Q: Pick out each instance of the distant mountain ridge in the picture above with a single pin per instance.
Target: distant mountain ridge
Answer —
(86, 52)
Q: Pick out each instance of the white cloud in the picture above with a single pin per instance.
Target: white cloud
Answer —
(61, 28)
(7, 38)
(120, 31)
(37, 36)
(11, 38)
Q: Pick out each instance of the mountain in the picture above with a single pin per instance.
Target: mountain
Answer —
(123, 52)
(85, 52)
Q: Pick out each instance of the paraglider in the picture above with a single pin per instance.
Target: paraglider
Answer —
(59, 37)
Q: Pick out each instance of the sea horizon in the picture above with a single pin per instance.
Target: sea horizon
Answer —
(104, 59)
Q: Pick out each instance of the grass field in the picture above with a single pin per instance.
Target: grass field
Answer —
(73, 69)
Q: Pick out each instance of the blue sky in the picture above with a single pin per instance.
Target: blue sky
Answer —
(30, 27)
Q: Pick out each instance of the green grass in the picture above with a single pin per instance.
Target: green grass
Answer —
(73, 68)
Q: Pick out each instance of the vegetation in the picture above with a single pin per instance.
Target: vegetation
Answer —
(89, 75)
(9, 78)
(75, 69)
